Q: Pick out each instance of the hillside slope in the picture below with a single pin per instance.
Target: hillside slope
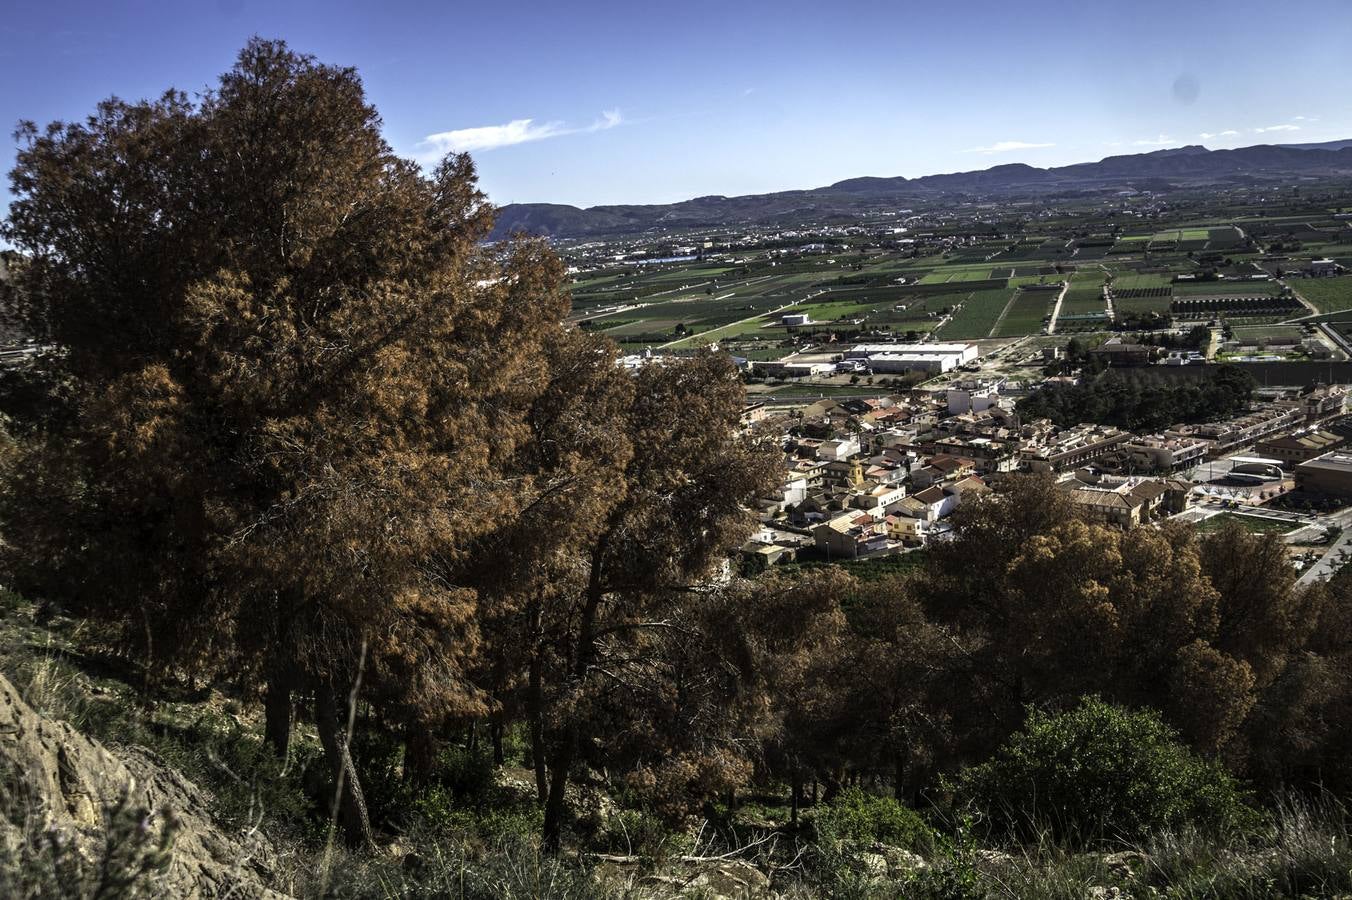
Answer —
(1191, 165)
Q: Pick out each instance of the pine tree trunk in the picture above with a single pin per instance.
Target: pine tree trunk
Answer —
(349, 802)
(277, 714)
(420, 755)
(537, 733)
(562, 762)
(552, 837)
(899, 763)
(535, 704)
(495, 731)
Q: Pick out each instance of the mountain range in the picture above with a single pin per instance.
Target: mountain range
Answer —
(1180, 167)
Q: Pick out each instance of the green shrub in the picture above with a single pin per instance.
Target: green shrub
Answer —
(1100, 772)
(467, 774)
(437, 811)
(639, 833)
(861, 818)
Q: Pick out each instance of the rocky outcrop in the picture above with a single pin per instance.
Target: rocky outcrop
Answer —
(683, 877)
(68, 794)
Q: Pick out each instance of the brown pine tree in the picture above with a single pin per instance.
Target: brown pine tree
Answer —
(296, 385)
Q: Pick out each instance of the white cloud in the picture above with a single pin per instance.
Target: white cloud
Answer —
(1162, 141)
(1006, 147)
(1277, 128)
(517, 131)
(1208, 135)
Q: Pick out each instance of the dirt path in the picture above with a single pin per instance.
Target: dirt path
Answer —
(1056, 310)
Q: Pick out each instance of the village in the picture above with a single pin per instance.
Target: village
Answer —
(880, 476)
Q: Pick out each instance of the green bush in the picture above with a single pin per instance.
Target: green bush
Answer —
(1100, 772)
(639, 833)
(468, 774)
(857, 817)
(437, 811)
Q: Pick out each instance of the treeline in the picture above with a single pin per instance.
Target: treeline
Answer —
(1112, 399)
(309, 440)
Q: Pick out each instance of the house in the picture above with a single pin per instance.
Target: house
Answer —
(1117, 352)
(1131, 502)
(876, 498)
(839, 449)
(968, 487)
(906, 529)
(1162, 453)
(758, 556)
(971, 399)
(1324, 400)
(1071, 448)
(1109, 506)
(929, 505)
(850, 535)
(1298, 448)
(843, 473)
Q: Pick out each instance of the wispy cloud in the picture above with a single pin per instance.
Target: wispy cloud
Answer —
(1007, 147)
(517, 131)
(1268, 128)
(1162, 141)
(1208, 135)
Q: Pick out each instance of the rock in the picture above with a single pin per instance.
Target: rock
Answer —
(873, 864)
(1098, 892)
(994, 858)
(708, 879)
(1125, 862)
(731, 879)
(65, 786)
(899, 861)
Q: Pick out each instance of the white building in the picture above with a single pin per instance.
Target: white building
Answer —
(975, 399)
(838, 449)
(919, 357)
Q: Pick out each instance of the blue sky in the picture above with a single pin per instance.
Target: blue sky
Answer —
(594, 102)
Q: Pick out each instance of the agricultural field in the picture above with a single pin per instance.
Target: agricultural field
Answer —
(1227, 288)
(1085, 294)
(1025, 314)
(1327, 294)
(976, 315)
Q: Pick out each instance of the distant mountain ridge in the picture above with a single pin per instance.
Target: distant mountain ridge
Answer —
(1185, 166)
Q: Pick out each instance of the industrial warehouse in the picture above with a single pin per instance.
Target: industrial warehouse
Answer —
(876, 358)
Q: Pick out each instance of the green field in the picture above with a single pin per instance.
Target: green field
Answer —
(1327, 294)
(1226, 289)
(1253, 333)
(1026, 314)
(1254, 524)
(976, 315)
(1085, 294)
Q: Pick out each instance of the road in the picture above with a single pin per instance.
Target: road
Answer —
(1337, 553)
(1056, 310)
